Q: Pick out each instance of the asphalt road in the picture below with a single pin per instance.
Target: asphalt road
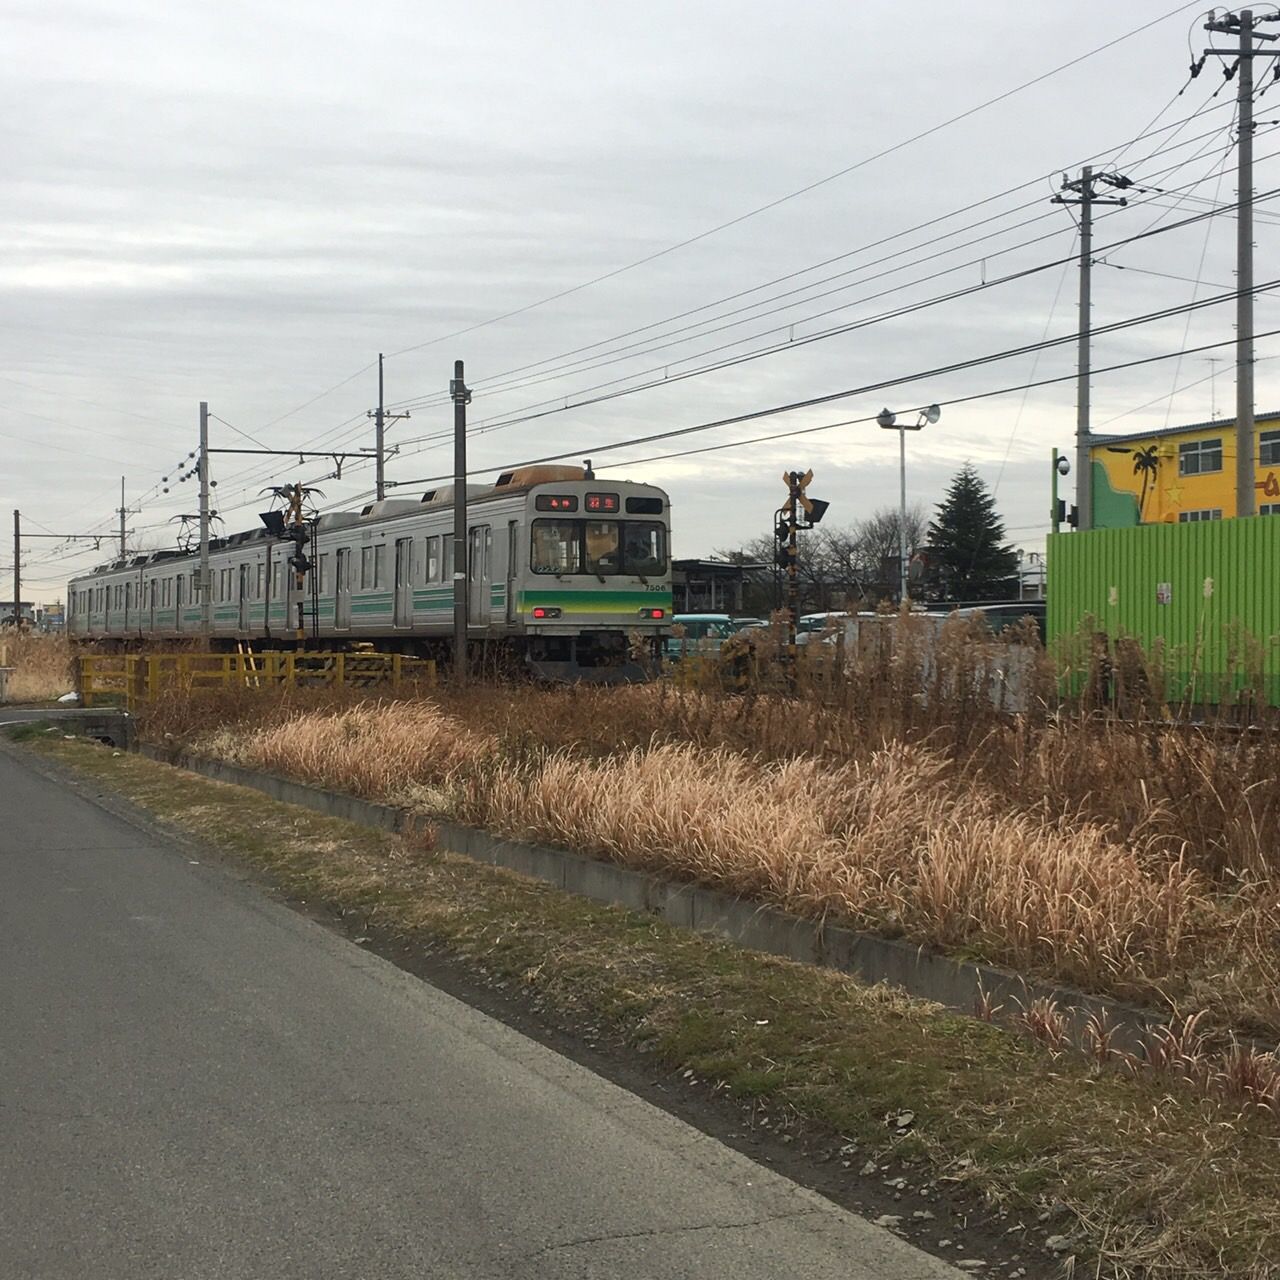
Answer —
(196, 1082)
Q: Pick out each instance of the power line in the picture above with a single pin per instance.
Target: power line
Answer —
(812, 186)
(527, 412)
(337, 431)
(884, 384)
(754, 355)
(831, 332)
(563, 360)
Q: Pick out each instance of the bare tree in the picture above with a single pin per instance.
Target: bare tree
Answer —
(837, 568)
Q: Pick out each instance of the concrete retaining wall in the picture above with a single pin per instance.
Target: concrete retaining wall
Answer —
(956, 984)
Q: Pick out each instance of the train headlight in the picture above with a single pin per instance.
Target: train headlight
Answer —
(653, 613)
(540, 612)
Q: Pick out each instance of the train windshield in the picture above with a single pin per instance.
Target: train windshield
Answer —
(607, 548)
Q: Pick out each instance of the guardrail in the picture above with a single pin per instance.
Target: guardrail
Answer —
(129, 679)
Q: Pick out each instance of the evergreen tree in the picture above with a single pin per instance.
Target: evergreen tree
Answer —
(967, 537)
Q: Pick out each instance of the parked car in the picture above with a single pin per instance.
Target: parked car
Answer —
(700, 633)
(822, 626)
(999, 614)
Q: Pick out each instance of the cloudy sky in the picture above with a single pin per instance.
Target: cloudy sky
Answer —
(246, 203)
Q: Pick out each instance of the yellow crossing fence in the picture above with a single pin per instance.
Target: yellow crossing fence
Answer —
(130, 679)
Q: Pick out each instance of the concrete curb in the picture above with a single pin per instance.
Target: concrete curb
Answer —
(957, 984)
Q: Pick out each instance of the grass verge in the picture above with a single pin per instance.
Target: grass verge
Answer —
(1147, 1181)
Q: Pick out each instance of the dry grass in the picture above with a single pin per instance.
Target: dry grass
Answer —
(897, 841)
(1132, 857)
(43, 667)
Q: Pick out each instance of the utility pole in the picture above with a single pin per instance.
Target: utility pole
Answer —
(17, 570)
(205, 586)
(1083, 192)
(123, 512)
(380, 419)
(1242, 25)
(461, 397)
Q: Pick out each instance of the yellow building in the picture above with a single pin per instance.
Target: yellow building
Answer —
(1182, 474)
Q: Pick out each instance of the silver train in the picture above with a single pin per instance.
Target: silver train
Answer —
(566, 572)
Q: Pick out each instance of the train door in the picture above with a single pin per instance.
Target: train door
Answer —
(245, 581)
(479, 551)
(342, 591)
(178, 601)
(512, 566)
(403, 610)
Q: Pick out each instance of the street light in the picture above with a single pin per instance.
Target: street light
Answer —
(889, 421)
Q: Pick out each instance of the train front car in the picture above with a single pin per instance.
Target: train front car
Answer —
(594, 589)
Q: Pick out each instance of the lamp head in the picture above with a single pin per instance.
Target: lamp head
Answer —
(1064, 464)
(885, 418)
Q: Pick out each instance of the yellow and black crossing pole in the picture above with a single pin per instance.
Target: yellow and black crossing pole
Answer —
(798, 512)
(297, 523)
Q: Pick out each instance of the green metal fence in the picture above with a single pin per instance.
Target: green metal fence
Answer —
(1202, 601)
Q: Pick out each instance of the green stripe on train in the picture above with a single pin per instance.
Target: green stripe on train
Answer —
(615, 602)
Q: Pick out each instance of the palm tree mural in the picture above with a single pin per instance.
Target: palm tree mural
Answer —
(1146, 463)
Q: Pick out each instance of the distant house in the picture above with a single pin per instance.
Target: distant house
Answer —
(6, 613)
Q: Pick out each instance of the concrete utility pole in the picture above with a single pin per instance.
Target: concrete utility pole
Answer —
(124, 511)
(380, 462)
(1242, 24)
(17, 570)
(380, 418)
(205, 587)
(1083, 192)
(461, 398)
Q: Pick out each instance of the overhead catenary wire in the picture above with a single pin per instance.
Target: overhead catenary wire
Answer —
(852, 326)
(804, 190)
(884, 152)
(1146, 234)
(879, 385)
(486, 424)
(564, 360)
(1031, 384)
(337, 431)
(864, 420)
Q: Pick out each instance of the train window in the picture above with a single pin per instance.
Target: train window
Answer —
(644, 506)
(380, 567)
(128, 595)
(446, 557)
(262, 579)
(366, 568)
(556, 546)
(433, 559)
(602, 546)
(644, 547)
(322, 584)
